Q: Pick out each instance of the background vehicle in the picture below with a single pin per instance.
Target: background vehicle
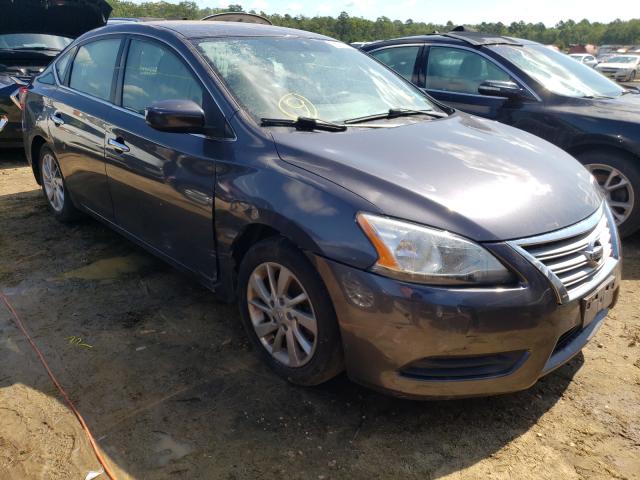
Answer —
(534, 88)
(585, 58)
(622, 68)
(32, 33)
(356, 223)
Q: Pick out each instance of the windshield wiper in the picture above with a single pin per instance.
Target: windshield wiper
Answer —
(597, 97)
(396, 113)
(303, 123)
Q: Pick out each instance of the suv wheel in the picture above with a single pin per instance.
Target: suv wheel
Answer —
(54, 188)
(288, 313)
(619, 178)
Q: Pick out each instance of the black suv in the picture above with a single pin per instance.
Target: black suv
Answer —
(537, 89)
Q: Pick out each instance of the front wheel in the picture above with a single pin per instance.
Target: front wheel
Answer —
(618, 175)
(288, 313)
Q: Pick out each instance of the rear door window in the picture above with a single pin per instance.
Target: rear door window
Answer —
(62, 63)
(401, 59)
(461, 71)
(93, 68)
(152, 74)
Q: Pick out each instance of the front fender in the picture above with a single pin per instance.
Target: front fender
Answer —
(315, 214)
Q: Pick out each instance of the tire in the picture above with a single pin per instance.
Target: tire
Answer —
(601, 163)
(282, 326)
(54, 188)
(632, 76)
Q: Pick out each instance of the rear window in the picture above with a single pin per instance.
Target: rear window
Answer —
(62, 64)
(93, 68)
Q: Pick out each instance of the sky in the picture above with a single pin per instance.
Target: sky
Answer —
(548, 12)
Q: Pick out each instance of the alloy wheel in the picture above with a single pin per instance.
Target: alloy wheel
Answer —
(53, 184)
(282, 315)
(616, 187)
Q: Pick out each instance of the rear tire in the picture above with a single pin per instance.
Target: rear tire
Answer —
(302, 342)
(54, 187)
(618, 174)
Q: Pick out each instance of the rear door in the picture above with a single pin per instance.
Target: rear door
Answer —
(79, 115)
(454, 74)
(162, 184)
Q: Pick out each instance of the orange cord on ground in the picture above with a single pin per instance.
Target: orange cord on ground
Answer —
(92, 440)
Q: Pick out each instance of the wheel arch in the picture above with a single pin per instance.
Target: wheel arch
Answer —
(581, 148)
(34, 155)
(248, 237)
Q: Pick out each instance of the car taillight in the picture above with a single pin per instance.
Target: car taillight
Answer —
(19, 96)
(22, 97)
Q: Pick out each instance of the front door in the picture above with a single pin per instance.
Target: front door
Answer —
(162, 183)
(453, 76)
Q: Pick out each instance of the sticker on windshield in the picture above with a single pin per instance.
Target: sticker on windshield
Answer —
(294, 105)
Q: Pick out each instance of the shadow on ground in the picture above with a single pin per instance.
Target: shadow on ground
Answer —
(631, 253)
(11, 158)
(166, 381)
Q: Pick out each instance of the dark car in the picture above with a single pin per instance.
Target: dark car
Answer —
(358, 224)
(537, 89)
(32, 33)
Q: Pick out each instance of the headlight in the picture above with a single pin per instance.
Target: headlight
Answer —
(414, 253)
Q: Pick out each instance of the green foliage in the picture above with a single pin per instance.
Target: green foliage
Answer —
(351, 29)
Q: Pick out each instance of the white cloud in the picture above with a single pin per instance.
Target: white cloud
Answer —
(259, 5)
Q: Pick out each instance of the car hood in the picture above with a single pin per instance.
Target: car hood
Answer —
(478, 178)
(66, 18)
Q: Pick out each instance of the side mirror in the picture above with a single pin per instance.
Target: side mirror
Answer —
(176, 116)
(500, 88)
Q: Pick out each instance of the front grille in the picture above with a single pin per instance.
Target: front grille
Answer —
(577, 258)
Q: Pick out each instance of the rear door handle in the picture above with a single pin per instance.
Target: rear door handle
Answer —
(57, 120)
(119, 147)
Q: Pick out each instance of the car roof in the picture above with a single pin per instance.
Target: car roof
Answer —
(454, 37)
(199, 29)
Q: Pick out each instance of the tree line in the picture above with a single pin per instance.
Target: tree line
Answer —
(351, 29)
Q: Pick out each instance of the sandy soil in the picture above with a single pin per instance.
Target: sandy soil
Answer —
(165, 379)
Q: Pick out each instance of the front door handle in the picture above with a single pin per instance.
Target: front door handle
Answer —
(118, 146)
(56, 119)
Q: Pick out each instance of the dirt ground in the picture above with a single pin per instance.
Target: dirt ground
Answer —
(164, 377)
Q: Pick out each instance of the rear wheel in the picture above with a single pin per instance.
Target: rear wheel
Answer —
(288, 313)
(54, 188)
(619, 178)
(632, 77)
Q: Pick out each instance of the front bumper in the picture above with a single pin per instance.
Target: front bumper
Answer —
(10, 133)
(617, 75)
(392, 331)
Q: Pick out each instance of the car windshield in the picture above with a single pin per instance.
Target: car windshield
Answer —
(35, 41)
(301, 77)
(558, 73)
(623, 59)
